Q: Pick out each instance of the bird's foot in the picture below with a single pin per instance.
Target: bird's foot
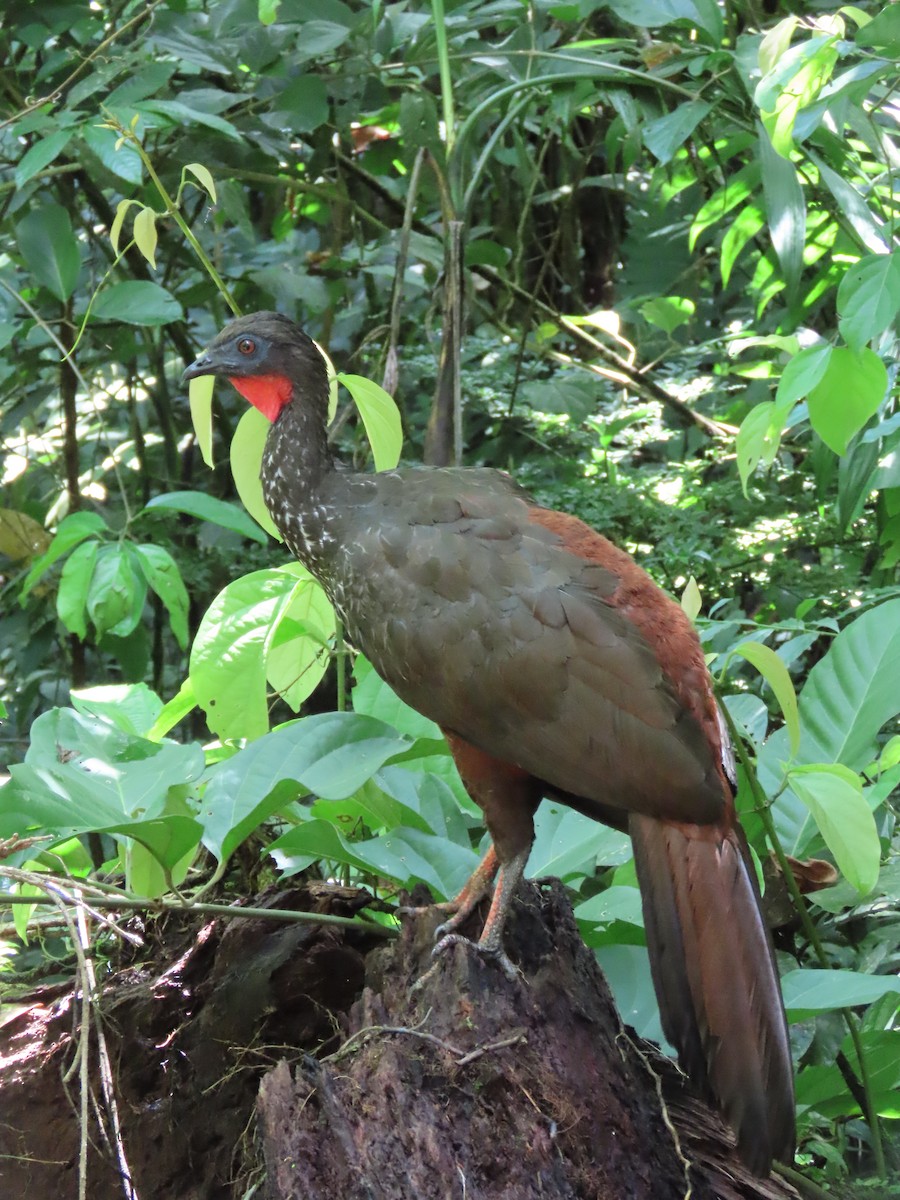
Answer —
(485, 949)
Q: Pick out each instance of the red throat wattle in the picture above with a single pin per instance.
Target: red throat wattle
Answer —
(268, 393)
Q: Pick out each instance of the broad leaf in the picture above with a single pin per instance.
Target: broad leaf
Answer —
(228, 657)
(48, 245)
(834, 796)
(72, 530)
(812, 990)
(246, 452)
(332, 754)
(381, 418)
(210, 508)
(137, 302)
(847, 395)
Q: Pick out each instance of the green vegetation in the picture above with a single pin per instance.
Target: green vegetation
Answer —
(659, 263)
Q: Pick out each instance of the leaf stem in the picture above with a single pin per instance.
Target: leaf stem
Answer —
(171, 210)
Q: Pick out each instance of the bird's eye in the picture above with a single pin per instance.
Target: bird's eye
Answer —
(246, 346)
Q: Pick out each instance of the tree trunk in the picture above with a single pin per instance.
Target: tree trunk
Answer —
(474, 1086)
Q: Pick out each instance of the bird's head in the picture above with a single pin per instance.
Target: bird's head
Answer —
(270, 360)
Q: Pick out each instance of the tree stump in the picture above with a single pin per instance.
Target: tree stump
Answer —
(474, 1086)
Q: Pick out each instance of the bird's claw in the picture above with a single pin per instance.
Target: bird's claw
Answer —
(497, 953)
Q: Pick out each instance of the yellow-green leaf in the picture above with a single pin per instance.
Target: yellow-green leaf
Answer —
(200, 392)
(203, 174)
(381, 418)
(690, 599)
(246, 458)
(145, 234)
(833, 794)
(115, 231)
(776, 675)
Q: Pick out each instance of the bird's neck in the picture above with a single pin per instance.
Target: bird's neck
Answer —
(297, 466)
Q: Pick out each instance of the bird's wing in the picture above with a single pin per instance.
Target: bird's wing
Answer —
(511, 633)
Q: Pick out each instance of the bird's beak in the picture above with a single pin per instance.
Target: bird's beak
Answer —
(203, 365)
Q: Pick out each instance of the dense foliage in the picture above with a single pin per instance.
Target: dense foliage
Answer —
(651, 244)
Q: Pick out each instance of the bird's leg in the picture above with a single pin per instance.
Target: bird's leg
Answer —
(491, 940)
(508, 796)
(473, 891)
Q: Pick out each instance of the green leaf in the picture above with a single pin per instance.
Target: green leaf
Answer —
(746, 225)
(115, 230)
(227, 667)
(50, 249)
(861, 219)
(785, 210)
(122, 159)
(332, 754)
(131, 707)
(145, 235)
(161, 572)
(868, 299)
(173, 711)
(381, 418)
(668, 312)
(755, 442)
(739, 188)
(650, 14)
(811, 990)
(834, 796)
(116, 595)
(246, 452)
(407, 856)
(200, 393)
(373, 697)
(297, 649)
(776, 674)
(848, 698)
(137, 302)
(617, 903)
(569, 844)
(41, 155)
(268, 11)
(667, 134)
(74, 584)
(205, 177)
(319, 38)
(81, 774)
(882, 32)
(802, 373)
(848, 394)
(210, 508)
(71, 530)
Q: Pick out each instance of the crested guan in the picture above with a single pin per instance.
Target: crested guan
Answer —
(556, 667)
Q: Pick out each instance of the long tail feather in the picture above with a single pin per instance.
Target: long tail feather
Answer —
(715, 978)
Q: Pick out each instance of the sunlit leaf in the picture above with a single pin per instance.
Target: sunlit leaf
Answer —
(145, 235)
(246, 452)
(868, 299)
(776, 674)
(834, 796)
(74, 584)
(847, 395)
(381, 418)
(200, 393)
(162, 574)
(72, 530)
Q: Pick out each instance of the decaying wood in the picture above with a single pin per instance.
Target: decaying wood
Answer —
(470, 1085)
